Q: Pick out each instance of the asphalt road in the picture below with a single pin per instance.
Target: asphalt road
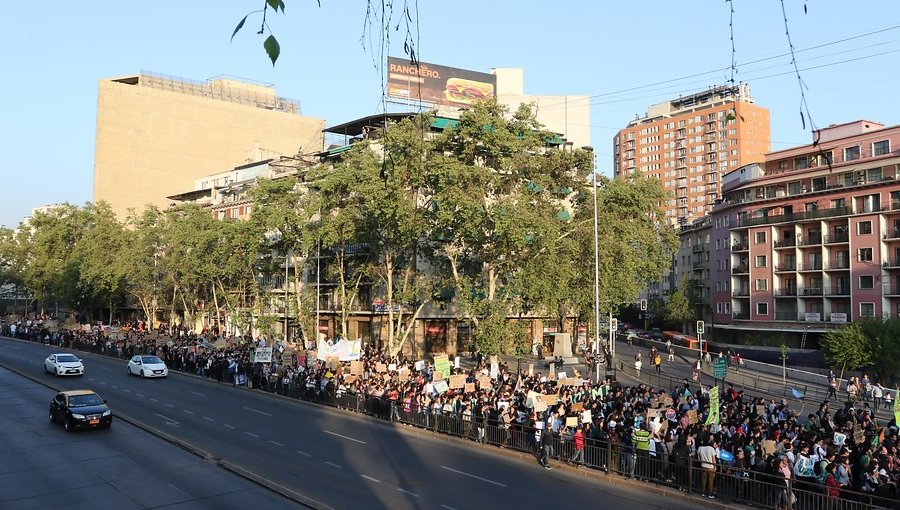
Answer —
(333, 459)
(44, 467)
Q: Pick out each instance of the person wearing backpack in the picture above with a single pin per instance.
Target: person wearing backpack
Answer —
(821, 466)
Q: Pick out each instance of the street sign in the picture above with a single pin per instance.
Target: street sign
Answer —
(700, 326)
(720, 368)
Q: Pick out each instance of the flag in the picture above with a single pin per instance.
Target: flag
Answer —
(713, 416)
(797, 394)
(897, 408)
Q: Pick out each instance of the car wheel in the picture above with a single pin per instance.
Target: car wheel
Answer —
(68, 426)
(52, 419)
(143, 375)
(128, 371)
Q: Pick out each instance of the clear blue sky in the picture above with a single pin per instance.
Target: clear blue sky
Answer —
(56, 51)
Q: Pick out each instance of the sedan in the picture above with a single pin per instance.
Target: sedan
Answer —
(80, 409)
(63, 364)
(147, 366)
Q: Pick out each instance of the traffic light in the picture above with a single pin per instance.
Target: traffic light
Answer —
(643, 305)
(700, 326)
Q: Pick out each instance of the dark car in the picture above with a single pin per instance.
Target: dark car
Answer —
(80, 409)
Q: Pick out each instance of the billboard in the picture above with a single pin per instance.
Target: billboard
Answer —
(436, 84)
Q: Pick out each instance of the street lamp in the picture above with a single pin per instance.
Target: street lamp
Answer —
(596, 266)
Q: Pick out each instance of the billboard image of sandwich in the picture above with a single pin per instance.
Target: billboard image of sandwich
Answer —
(463, 91)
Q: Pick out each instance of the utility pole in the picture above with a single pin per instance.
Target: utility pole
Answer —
(596, 270)
(287, 301)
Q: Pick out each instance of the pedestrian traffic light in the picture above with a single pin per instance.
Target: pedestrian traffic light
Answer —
(643, 305)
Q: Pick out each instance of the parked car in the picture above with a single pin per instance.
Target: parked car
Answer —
(63, 363)
(147, 366)
(80, 409)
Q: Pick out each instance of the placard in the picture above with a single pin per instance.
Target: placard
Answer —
(586, 416)
(437, 376)
(530, 369)
(571, 421)
(441, 387)
(456, 362)
(577, 406)
(839, 439)
(495, 370)
(654, 414)
(760, 410)
(356, 367)
(470, 387)
(552, 375)
(692, 416)
(562, 375)
(332, 362)
(457, 382)
(768, 447)
(540, 406)
(442, 364)
(381, 367)
(485, 382)
(392, 367)
(420, 365)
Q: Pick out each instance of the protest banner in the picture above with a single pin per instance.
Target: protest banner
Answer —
(713, 416)
(442, 365)
(457, 382)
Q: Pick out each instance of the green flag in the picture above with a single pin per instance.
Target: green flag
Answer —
(897, 408)
(713, 416)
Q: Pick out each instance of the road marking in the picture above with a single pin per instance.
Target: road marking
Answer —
(171, 405)
(126, 391)
(332, 464)
(198, 394)
(138, 394)
(91, 379)
(473, 476)
(115, 387)
(448, 507)
(413, 494)
(106, 369)
(207, 418)
(343, 436)
(251, 434)
(189, 411)
(257, 411)
(276, 443)
(229, 426)
(304, 453)
(102, 382)
(153, 399)
(169, 420)
(371, 479)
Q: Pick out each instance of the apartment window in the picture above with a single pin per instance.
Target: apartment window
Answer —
(864, 227)
(762, 284)
(867, 282)
(881, 148)
(864, 254)
(783, 164)
(867, 309)
(761, 260)
(760, 238)
(727, 307)
(762, 308)
(851, 153)
(719, 308)
(801, 163)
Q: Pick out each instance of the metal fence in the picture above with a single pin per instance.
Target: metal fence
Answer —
(726, 483)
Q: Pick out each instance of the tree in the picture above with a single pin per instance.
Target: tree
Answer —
(884, 344)
(143, 251)
(678, 308)
(848, 347)
(101, 256)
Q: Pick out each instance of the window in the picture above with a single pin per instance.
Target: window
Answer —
(867, 309)
(867, 282)
(783, 164)
(864, 254)
(760, 238)
(719, 308)
(727, 307)
(881, 148)
(864, 227)
(851, 153)
(762, 284)
(761, 260)
(801, 163)
(762, 308)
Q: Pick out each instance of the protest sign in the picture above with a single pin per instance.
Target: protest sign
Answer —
(470, 387)
(457, 382)
(577, 406)
(692, 416)
(441, 386)
(713, 416)
(442, 365)
(356, 367)
(381, 367)
(571, 421)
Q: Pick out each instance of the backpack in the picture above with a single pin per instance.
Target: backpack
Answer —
(819, 468)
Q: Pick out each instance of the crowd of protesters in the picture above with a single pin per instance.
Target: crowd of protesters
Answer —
(839, 451)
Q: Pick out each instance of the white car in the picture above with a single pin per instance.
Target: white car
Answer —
(63, 363)
(147, 365)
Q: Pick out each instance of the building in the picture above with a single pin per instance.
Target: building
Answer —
(809, 239)
(157, 134)
(692, 266)
(689, 143)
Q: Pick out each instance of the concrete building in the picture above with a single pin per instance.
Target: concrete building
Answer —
(689, 143)
(810, 239)
(692, 267)
(157, 134)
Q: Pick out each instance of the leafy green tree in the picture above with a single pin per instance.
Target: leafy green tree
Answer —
(100, 252)
(848, 347)
(884, 344)
(678, 307)
(143, 253)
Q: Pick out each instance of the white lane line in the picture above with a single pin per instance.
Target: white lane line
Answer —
(332, 464)
(126, 391)
(413, 494)
(369, 478)
(207, 418)
(257, 411)
(343, 436)
(115, 387)
(473, 476)
(448, 507)
(168, 419)
(189, 411)
(153, 399)
(91, 379)
(276, 443)
(304, 453)
(198, 394)
(138, 394)
(171, 405)
(251, 434)
(229, 426)
(102, 382)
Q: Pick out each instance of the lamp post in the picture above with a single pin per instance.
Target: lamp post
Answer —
(596, 268)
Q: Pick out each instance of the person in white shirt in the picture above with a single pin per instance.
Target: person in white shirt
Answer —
(708, 456)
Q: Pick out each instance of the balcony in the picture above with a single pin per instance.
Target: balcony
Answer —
(740, 293)
(698, 265)
(798, 216)
(811, 266)
(892, 233)
(786, 292)
(740, 316)
(810, 241)
(783, 268)
(786, 315)
(837, 237)
(891, 263)
(698, 248)
(742, 246)
(890, 290)
(838, 291)
(742, 269)
(838, 265)
(810, 291)
(785, 243)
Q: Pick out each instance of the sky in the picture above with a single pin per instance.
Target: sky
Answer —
(625, 55)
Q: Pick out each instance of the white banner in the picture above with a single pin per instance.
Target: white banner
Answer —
(343, 350)
(262, 355)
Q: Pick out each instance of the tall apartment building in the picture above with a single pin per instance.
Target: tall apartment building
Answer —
(157, 134)
(689, 143)
(810, 239)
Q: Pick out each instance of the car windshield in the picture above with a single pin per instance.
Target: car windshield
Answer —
(66, 358)
(85, 400)
(150, 360)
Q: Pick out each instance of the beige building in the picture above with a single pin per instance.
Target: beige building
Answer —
(157, 134)
(690, 143)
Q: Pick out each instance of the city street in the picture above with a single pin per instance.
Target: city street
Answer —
(331, 459)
